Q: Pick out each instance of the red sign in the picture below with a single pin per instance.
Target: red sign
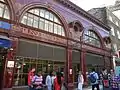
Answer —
(39, 34)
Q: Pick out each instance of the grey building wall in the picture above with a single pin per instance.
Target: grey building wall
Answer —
(99, 13)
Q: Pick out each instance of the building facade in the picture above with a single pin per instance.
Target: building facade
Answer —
(115, 8)
(52, 35)
(108, 17)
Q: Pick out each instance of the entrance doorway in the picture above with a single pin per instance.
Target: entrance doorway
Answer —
(76, 69)
(24, 64)
(3, 53)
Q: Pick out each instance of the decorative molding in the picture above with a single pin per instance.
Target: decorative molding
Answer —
(80, 11)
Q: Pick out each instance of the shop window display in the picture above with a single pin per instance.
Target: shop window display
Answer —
(24, 65)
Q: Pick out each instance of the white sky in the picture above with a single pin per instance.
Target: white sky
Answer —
(88, 4)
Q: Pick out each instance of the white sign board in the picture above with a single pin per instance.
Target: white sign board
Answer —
(10, 64)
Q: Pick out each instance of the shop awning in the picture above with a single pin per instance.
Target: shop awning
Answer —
(5, 42)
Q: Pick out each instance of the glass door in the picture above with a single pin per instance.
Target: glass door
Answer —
(76, 69)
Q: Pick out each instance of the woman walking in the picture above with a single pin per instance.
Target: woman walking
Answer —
(80, 81)
(58, 81)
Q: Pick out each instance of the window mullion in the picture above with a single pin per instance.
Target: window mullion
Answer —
(3, 11)
(27, 19)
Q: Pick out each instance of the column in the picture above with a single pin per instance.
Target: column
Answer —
(111, 62)
(9, 70)
(69, 70)
(83, 65)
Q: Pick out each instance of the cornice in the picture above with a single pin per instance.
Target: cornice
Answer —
(80, 11)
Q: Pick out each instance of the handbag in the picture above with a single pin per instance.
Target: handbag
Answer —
(106, 83)
(63, 87)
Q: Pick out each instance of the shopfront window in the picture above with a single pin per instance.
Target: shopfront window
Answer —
(23, 66)
(4, 11)
(91, 38)
(44, 20)
(76, 64)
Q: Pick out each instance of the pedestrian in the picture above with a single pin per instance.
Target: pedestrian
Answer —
(93, 77)
(105, 77)
(58, 81)
(114, 81)
(31, 73)
(49, 82)
(53, 78)
(37, 81)
(64, 84)
(80, 81)
(44, 77)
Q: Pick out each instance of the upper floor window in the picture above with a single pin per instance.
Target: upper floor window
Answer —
(4, 11)
(115, 47)
(110, 18)
(92, 38)
(112, 31)
(117, 23)
(44, 20)
(118, 33)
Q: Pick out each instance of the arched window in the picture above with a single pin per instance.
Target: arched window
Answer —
(92, 38)
(44, 20)
(4, 11)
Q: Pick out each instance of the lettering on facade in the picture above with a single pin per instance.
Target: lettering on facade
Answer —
(38, 34)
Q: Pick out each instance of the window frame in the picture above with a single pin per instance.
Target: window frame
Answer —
(90, 37)
(51, 18)
(118, 34)
(112, 31)
(6, 12)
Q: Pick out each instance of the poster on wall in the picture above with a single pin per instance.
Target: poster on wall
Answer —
(70, 71)
(117, 70)
(10, 64)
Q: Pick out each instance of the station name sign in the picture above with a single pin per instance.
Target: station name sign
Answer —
(38, 34)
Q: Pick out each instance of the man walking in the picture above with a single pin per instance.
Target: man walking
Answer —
(93, 77)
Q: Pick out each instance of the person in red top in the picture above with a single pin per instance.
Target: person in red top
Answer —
(58, 81)
(30, 76)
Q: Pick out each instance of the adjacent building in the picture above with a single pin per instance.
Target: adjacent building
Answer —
(115, 8)
(52, 35)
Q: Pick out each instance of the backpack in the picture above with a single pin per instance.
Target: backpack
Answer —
(92, 78)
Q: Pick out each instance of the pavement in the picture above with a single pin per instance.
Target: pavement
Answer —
(90, 88)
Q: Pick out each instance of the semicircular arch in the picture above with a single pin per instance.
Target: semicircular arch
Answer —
(97, 35)
(47, 7)
(7, 9)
